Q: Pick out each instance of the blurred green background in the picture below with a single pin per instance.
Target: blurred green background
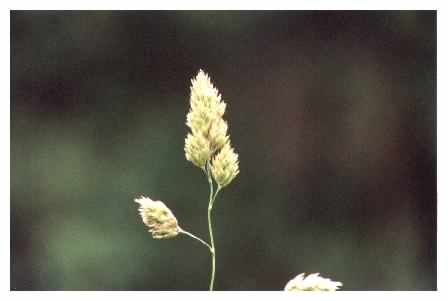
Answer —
(333, 115)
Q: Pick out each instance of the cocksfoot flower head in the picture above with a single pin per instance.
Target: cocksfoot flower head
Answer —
(225, 166)
(160, 220)
(205, 120)
(312, 282)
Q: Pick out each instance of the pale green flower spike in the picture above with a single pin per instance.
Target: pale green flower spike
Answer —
(225, 166)
(312, 282)
(208, 129)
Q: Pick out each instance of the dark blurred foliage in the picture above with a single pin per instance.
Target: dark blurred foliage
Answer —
(333, 115)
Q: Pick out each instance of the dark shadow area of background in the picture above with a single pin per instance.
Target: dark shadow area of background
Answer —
(333, 115)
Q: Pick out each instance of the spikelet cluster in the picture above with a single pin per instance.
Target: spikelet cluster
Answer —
(225, 166)
(208, 140)
(158, 217)
(312, 282)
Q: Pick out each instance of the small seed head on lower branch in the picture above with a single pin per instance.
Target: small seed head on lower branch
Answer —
(158, 217)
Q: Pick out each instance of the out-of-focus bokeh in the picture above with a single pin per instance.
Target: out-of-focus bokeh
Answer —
(333, 115)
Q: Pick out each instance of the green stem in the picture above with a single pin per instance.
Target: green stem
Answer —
(214, 197)
(210, 229)
(213, 252)
(195, 237)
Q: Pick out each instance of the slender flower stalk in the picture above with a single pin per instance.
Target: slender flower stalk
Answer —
(210, 229)
(212, 198)
(195, 237)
